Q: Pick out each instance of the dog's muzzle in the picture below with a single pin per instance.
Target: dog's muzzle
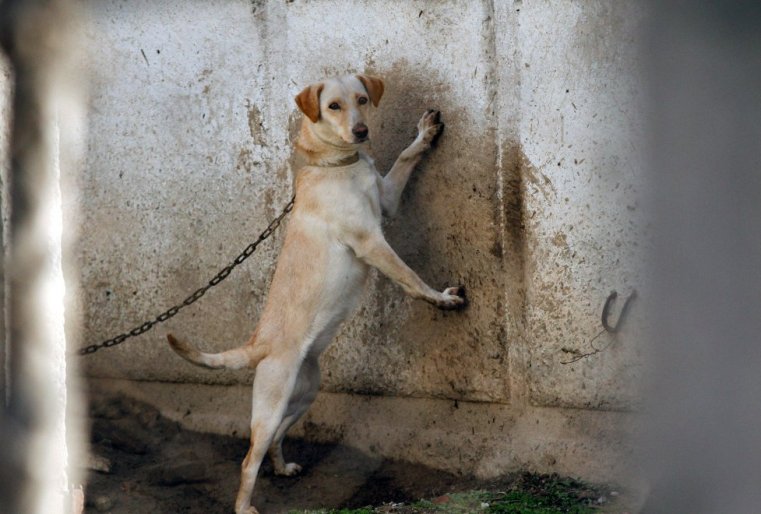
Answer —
(360, 132)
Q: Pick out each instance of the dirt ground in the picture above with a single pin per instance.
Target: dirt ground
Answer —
(156, 467)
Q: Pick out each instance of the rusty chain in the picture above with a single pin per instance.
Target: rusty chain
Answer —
(197, 294)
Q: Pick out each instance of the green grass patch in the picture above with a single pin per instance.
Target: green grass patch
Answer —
(518, 502)
(529, 494)
(544, 494)
(363, 510)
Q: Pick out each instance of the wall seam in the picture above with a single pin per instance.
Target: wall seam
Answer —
(510, 188)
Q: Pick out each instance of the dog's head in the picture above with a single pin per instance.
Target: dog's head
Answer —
(338, 107)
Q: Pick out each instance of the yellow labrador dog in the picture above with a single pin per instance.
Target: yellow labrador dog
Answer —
(333, 237)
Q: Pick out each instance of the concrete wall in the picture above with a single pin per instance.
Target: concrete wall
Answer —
(6, 82)
(530, 200)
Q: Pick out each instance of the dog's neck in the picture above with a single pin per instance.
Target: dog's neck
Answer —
(319, 152)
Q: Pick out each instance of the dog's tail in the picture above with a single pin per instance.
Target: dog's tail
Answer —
(247, 356)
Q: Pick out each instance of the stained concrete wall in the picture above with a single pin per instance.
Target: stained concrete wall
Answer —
(6, 82)
(530, 201)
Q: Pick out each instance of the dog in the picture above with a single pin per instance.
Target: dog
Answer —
(333, 237)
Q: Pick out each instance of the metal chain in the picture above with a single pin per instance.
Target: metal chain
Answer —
(197, 294)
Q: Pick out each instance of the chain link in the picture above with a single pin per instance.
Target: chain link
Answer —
(197, 294)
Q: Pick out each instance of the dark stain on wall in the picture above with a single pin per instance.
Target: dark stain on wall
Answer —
(449, 230)
(514, 166)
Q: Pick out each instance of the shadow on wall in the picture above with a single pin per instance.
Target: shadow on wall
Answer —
(448, 230)
(410, 91)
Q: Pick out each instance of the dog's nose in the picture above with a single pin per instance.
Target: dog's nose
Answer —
(360, 131)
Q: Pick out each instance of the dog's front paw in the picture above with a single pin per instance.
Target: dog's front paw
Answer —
(452, 298)
(429, 127)
(248, 510)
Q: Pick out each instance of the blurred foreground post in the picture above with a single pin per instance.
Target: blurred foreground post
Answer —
(704, 431)
(36, 37)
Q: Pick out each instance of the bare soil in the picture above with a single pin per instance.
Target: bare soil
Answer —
(157, 467)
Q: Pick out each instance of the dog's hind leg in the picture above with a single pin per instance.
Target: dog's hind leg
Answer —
(303, 395)
(273, 385)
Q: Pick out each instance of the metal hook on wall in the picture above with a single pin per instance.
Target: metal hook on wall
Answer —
(616, 327)
(607, 327)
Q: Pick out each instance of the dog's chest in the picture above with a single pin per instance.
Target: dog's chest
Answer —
(364, 185)
(353, 193)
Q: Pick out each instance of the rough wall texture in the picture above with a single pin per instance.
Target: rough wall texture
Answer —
(530, 199)
(579, 129)
(6, 82)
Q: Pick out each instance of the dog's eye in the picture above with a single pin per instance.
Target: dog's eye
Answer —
(334, 106)
(362, 100)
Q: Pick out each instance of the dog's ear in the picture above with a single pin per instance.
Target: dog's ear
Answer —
(374, 87)
(309, 101)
